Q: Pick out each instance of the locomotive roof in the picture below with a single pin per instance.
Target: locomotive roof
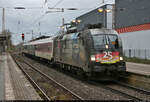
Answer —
(47, 40)
(93, 32)
(103, 31)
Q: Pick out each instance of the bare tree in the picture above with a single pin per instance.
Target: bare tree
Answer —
(8, 41)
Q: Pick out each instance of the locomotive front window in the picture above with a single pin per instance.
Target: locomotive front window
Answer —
(99, 40)
(103, 39)
(112, 40)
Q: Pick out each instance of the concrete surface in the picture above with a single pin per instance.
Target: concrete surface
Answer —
(138, 68)
(2, 95)
(13, 83)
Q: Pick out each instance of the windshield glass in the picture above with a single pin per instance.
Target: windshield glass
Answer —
(99, 40)
(103, 39)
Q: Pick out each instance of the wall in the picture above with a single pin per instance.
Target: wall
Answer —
(131, 12)
(138, 43)
(92, 17)
(127, 13)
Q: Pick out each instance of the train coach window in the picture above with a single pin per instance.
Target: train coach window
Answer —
(36, 47)
(49, 48)
(25, 47)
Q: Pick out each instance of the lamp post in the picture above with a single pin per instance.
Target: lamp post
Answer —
(105, 12)
(3, 20)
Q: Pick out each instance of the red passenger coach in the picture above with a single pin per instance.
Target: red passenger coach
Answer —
(44, 50)
(40, 48)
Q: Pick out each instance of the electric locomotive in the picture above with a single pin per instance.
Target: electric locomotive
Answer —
(92, 51)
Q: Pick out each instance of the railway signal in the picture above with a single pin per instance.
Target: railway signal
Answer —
(22, 36)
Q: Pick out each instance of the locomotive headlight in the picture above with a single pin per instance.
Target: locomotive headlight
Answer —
(92, 58)
(121, 58)
(106, 46)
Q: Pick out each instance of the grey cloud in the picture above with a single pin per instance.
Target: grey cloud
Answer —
(49, 23)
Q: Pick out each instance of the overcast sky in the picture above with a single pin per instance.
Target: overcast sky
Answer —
(18, 21)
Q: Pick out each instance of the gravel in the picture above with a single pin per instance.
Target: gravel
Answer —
(83, 89)
(131, 92)
(47, 86)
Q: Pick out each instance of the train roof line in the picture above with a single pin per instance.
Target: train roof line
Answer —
(46, 40)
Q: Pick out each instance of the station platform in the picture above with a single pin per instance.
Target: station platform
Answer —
(13, 83)
(143, 69)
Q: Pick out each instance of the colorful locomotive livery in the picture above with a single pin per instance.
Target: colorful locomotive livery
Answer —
(108, 57)
(90, 51)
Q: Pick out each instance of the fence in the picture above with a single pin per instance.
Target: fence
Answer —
(138, 53)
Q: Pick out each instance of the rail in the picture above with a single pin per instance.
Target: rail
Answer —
(51, 79)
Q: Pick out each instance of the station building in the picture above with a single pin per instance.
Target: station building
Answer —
(130, 18)
(2, 43)
(5, 41)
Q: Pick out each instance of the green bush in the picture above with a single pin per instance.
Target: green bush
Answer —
(137, 60)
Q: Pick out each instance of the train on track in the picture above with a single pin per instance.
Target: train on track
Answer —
(91, 52)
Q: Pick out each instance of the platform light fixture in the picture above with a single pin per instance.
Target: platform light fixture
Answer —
(108, 10)
(62, 27)
(100, 10)
(74, 21)
(78, 21)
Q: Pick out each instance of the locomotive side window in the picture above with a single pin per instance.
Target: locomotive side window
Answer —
(119, 42)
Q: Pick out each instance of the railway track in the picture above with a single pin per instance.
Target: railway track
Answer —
(125, 90)
(136, 80)
(130, 92)
(62, 92)
(121, 93)
(133, 88)
(35, 85)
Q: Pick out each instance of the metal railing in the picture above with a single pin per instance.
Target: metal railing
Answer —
(138, 53)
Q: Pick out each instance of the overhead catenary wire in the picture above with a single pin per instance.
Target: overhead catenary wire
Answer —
(57, 3)
(60, 1)
(54, 7)
(45, 12)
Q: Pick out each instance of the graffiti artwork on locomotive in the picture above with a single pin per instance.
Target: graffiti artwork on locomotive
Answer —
(90, 52)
